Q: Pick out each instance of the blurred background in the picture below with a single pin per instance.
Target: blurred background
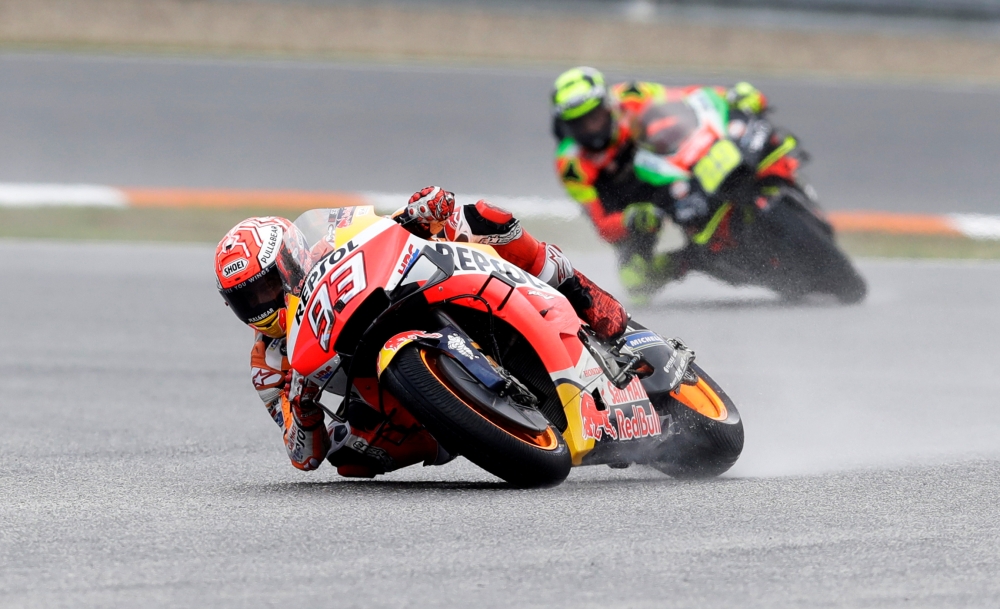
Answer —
(895, 99)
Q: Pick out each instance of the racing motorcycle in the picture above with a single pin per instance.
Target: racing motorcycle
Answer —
(494, 363)
(764, 226)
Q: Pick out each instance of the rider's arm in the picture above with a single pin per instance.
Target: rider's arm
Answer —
(610, 225)
(305, 437)
(267, 376)
(578, 180)
(746, 98)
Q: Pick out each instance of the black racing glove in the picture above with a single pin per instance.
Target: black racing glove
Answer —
(643, 218)
(692, 209)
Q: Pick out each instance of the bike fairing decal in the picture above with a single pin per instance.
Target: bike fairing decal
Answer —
(713, 224)
(323, 265)
(410, 253)
(458, 344)
(347, 280)
(787, 146)
(643, 340)
(344, 217)
(710, 108)
(312, 282)
(656, 170)
(320, 269)
(394, 344)
(611, 423)
(467, 260)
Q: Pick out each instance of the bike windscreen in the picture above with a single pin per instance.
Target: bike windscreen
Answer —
(316, 224)
(666, 126)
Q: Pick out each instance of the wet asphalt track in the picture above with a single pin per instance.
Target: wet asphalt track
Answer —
(334, 126)
(137, 467)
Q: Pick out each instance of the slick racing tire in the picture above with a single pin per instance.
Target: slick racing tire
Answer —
(705, 436)
(430, 385)
(815, 261)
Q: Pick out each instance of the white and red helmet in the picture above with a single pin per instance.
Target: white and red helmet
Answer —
(257, 263)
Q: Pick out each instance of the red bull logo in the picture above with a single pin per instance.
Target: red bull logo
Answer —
(596, 422)
(641, 423)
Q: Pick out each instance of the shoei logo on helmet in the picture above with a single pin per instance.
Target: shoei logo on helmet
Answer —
(231, 269)
(270, 241)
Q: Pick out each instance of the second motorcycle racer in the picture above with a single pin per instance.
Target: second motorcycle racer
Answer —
(637, 153)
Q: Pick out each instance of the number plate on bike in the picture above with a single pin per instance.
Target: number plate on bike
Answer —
(713, 169)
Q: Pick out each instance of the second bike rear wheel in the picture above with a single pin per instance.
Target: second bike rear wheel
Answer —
(435, 389)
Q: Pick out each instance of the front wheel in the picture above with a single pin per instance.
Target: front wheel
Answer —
(818, 264)
(706, 432)
(451, 404)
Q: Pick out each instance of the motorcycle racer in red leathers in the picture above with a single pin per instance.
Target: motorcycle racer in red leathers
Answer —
(599, 134)
(262, 261)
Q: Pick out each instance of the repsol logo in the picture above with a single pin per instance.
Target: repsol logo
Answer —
(231, 269)
(320, 270)
(469, 259)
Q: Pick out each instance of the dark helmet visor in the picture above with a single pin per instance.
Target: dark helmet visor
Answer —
(593, 129)
(257, 297)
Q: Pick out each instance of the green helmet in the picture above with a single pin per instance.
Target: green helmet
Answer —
(577, 92)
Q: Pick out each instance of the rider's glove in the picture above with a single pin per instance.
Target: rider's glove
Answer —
(642, 218)
(746, 98)
(430, 204)
(691, 209)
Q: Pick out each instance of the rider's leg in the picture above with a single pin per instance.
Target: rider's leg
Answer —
(642, 270)
(491, 225)
(305, 438)
(370, 443)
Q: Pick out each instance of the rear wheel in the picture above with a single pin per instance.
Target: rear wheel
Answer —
(454, 408)
(706, 431)
(813, 261)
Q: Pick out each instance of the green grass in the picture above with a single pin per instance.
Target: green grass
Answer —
(208, 226)
(917, 246)
(187, 224)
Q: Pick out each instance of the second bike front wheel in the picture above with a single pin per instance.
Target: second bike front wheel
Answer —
(436, 390)
(819, 264)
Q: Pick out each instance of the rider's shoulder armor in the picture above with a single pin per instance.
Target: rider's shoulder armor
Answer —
(632, 96)
(577, 173)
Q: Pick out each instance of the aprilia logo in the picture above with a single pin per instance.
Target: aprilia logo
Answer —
(231, 269)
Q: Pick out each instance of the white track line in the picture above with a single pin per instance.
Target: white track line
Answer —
(977, 226)
(62, 195)
(974, 226)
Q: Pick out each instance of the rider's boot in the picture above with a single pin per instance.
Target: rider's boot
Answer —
(602, 311)
(642, 277)
(369, 443)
